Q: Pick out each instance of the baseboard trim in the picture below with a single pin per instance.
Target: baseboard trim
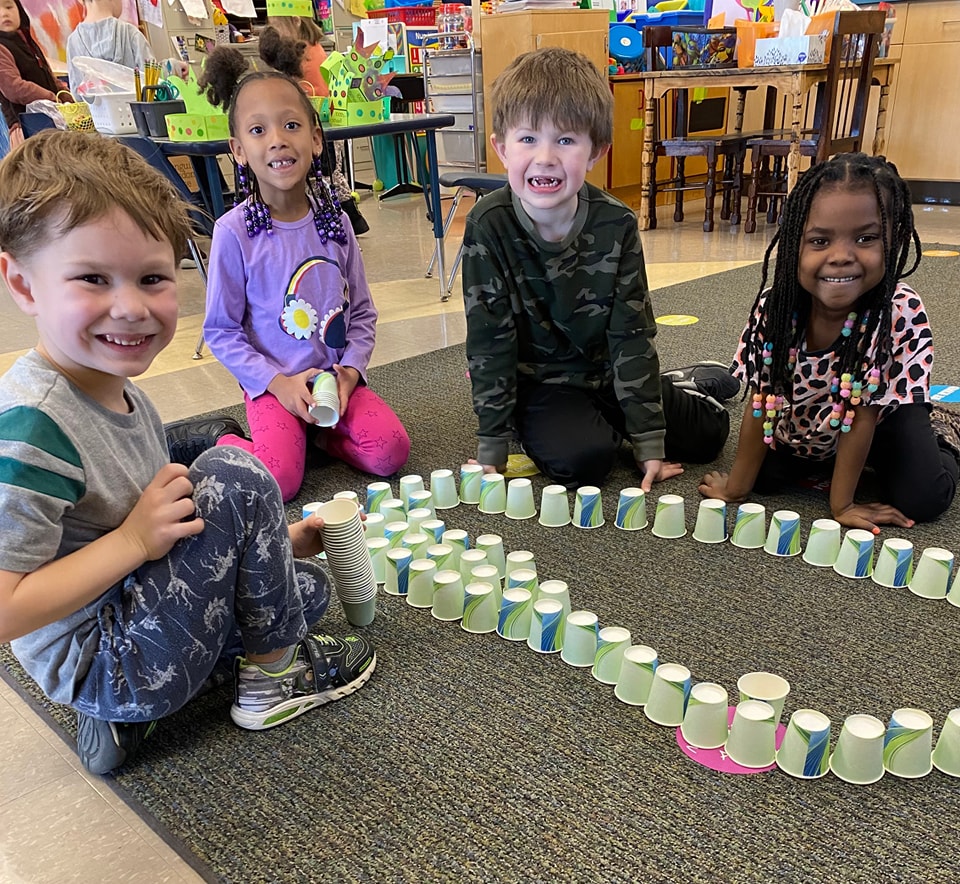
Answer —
(945, 193)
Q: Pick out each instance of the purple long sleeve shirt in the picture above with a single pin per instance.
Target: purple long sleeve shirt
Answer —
(283, 302)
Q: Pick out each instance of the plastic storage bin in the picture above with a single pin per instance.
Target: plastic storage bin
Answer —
(150, 116)
(413, 16)
(454, 63)
(452, 104)
(455, 147)
(111, 113)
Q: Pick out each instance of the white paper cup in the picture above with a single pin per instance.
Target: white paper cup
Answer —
(420, 586)
(443, 487)
(908, 744)
(435, 529)
(612, 641)
(669, 521)
(348, 495)
(588, 507)
(488, 573)
(417, 518)
(546, 627)
(469, 559)
(397, 569)
(421, 500)
(711, 524)
(823, 543)
(309, 509)
(373, 525)
(558, 591)
(520, 503)
(554, 507)
(378, 547)
(479, 608)
(631, 510)
(394, 532)
(492, 545)
(805, 750)
(520, 558)
(946, 755)
(636, 675)
(783, 535)
(447, 596)
(856, 554)
(442, 554)
(580, 635)
(377, 493)
(360, 613)
(766, 686)
(493, 494)
(326, 400)
(753, 734)
(470, 475)
(409, 484)
(749, 531)
(417, 542)
(668, 695)
(524, 578)
(705, 720)
(516, 610)
(933, 577)
(458, 540)
(894, 566)
(393, 510)
(858, 758)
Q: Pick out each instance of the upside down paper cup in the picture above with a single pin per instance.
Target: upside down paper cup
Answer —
(612, 641)
(805, 750)
(668, 695)
(711, 524)
(581, 630)
(783, 535)
(750, 530)
(469, 559)
(631, 510)
(669, 521)
(420, 586)
(479, 608)
(946, 755)
(908, 744)
(753, 733)
(516, 609)
(492, 545)
(493, 494)
(588, 507)
(554, 507)
(823, 544)
(520, 503)
(856, 554)
(397, 568)
(443, 487)
(858, 758)
(546, 627)
(558, 590)
(894, 565)
(636, 675)
(524, 578)
(377, 493)
(766, 686)
(409, 484)
(933, 576)
(470, 475)
(447, 596)
(520, 558)
(705, 719)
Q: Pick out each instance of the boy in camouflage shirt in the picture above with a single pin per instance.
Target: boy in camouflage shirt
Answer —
(560, 327)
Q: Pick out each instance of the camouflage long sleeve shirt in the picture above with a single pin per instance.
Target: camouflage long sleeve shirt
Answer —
(575, 312)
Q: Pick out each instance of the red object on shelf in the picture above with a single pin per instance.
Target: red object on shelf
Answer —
(415, 16)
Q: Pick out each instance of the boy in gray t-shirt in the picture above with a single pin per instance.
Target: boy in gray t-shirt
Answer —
(126, 581)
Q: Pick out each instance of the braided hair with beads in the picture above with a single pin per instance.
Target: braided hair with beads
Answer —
(775, 334)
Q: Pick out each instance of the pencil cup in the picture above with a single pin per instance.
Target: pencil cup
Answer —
(631, 510)
(612, 641)
(546, 627)
(326, 400)
(580, 635)
(520, 503)
(520, 558)
(705, 720)
(378, 547)
(470, 474)
(377, 493)
(493, 493)
(492, 545)
(393, 510)
(588, 507)
(434, 528)
(823, 544)
(669, 521)
(524, 578)
(711, 524)
(856, 554)
(636, 675)
(420, 586)
(783, 535)
(933, 576)
(394, 532)
(749, 531)
(409, 484)
(669, 691)
(516, 610)
(753, 734)
(397, 569)
(556, 590)
(479, 608)
(908, 743)
(443, 487)
(554, 507)
(447, 596)
(805, 751)
(469, 559)
(766, 686)
(894, 566)
(946, 756)
(441, 554)
(858, 758)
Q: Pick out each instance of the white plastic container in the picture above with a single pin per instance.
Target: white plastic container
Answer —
(111, 113)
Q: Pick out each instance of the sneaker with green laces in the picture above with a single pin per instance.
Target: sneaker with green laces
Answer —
(104, 746)
(323, 669)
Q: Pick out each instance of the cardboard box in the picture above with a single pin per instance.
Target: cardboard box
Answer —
(197, 127)
(810, 49)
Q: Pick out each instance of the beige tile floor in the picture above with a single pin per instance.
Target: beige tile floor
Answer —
(58, 823)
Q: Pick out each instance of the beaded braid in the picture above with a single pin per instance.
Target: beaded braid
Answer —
(782, 324)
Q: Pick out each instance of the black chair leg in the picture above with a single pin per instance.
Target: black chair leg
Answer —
(710, 192)
(681, 181)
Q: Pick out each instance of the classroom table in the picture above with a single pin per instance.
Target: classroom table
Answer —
(203, 156)
(792, 80)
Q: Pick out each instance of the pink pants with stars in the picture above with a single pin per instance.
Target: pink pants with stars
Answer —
(369, 436)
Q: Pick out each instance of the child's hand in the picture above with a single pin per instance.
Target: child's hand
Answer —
(716, 485)
(163, 514)
(870, 516)
(657, 471)
(294, 394)
(305, 536)
(487, 468)
(347, 380)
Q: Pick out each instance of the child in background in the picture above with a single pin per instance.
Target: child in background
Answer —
(559, 322)
(286, 295)
(128, 582)
(25, 74)
(837, 355)
(102, 34)
(297, 29)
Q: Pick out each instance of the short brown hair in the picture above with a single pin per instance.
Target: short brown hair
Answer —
(558, 85)
(57, 181)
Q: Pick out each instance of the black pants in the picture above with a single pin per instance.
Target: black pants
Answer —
(573, 435)
(914, 472)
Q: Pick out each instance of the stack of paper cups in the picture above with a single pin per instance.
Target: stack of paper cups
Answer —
(349, 559)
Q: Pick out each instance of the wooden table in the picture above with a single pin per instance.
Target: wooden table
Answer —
(792, 80)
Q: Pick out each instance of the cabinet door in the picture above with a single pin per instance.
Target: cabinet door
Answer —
(627, 134)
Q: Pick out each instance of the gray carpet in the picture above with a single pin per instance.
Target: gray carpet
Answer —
(468, 758)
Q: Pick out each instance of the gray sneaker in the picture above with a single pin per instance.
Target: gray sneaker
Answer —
(710, 378)
(104, 746)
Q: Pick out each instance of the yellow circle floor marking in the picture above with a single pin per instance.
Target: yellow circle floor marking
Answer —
(940, 253)
(677, 319)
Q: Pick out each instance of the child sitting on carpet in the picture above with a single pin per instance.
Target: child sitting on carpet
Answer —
(560, 326)
(128, 582)
(287, 297)
(837, 355)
